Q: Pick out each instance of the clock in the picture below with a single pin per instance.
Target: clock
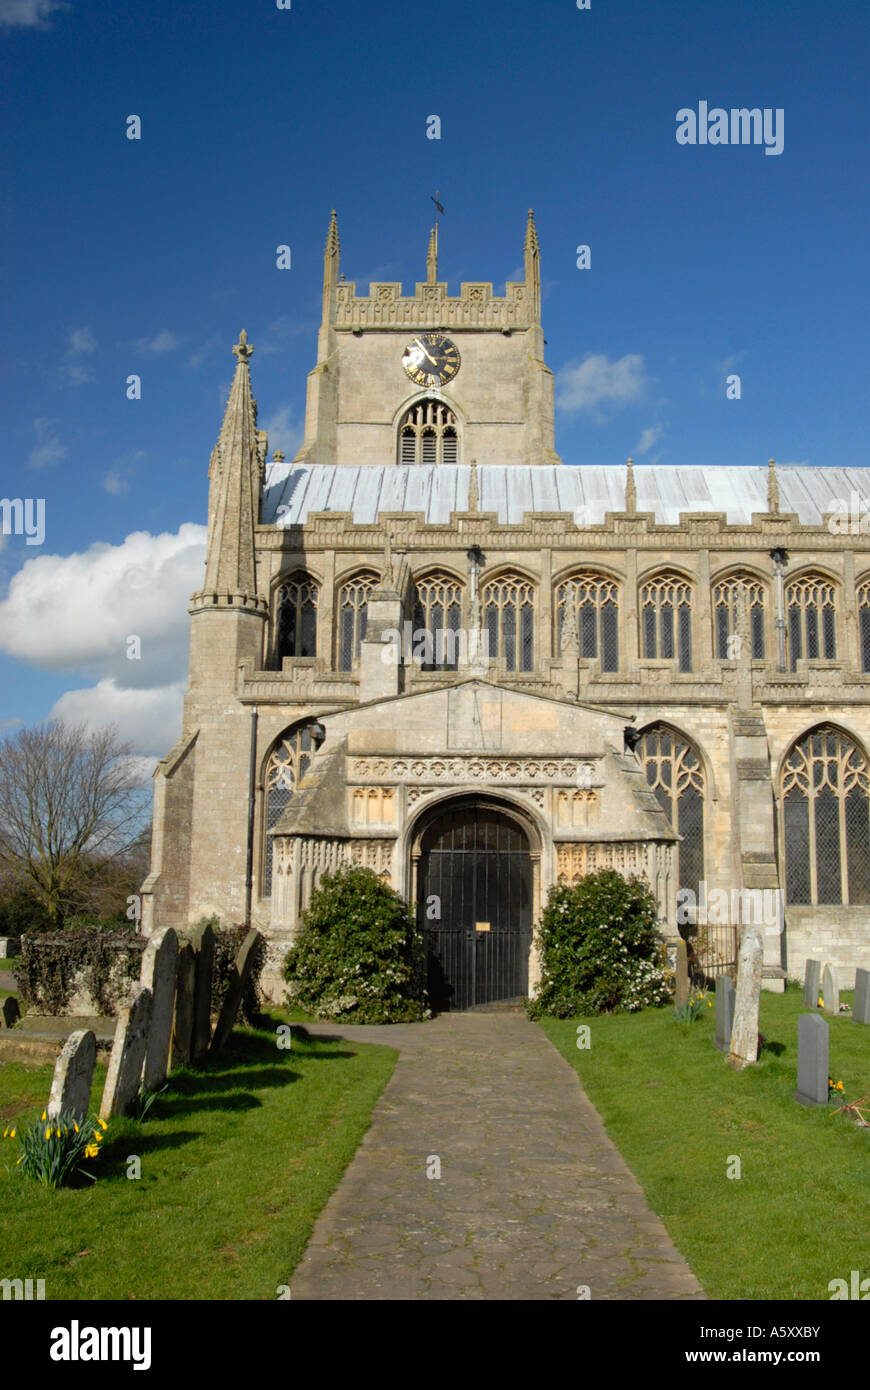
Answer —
(431, 360)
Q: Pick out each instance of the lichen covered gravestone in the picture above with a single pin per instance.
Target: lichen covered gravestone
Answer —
(73, 1075)
(128, 1054)
(830, 990)
(724, 1012)
(744, 1033)
(811, 983)
(861, 1006)
(813, 1049)
(158, 975)
(239, 976)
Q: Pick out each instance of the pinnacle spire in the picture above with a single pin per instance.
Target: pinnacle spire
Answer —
(531, 243)
(234, 487)
(532, 262)
(432, 257)
(333, 246)
(772, 488)
(630, 487)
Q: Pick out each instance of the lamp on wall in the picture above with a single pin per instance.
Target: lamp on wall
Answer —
(318, 733)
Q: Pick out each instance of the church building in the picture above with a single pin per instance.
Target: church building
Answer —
(428, 646)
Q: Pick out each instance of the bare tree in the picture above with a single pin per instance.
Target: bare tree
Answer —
(67, 796)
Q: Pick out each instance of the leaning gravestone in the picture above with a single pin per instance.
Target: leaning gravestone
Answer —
(811, 983)
(724, 1012)
(813, 1048)
(158, 975)
(73, 1075)
(128, 1054)
(239, 976)
(202, 940)
(744, 1033)
(185, 984)
(681, 976)
(10, 1012)
(861, 1006)
(830, 990)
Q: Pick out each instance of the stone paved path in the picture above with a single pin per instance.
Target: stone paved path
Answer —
(533, 1198)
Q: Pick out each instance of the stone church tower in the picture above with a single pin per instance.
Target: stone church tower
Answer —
(427, 646)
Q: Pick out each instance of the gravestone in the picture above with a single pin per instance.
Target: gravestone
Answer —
(830, 990)
(10, 1012)
(725, 997)
(861, 1006)
(239, 976)
(128, 1054)
(811, 983)
(73, 1075)
(744, 1033)
(681, 976)
(158, 975)
(813, 1048)
(202, 940)
(185, 984)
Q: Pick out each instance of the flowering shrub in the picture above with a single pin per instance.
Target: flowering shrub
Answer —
(601, 951)
(52, 1150)
(360, 957)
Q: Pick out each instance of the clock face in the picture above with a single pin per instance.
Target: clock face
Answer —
(431, 360)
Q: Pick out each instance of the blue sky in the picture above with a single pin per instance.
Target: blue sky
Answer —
(148, 256)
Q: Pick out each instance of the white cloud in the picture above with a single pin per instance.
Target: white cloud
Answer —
(76, 612)
(81, 343)
(597, 382)
(282, 433)
(81, 340)
(48, 448)
(649, 437)
(150, 720)
(28, 14)
(162, 342)
(115, 484)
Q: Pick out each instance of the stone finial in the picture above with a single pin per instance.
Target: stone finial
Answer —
(531, 242)
(432, 257)
(532, 268)
(277, 456)
(772, 488)
(630, 487)
(243, 350)
(473, 493)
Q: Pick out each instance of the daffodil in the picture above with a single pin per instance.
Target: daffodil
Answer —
(104, 1124)
(48, 1132)
(75, 1127)
(91, 1151)
(44, 1116)
(12, 1136)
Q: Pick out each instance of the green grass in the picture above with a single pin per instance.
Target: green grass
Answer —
(10, 963)
(237, 1161)
(797, 1217)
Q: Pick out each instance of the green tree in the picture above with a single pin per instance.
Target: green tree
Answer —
(360, 955)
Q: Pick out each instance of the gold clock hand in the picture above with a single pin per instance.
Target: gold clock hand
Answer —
(422, 349)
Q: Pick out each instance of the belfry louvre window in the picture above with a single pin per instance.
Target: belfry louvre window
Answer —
(825, 790)
(288, 762)
(297, 617)
(353, 600)
(863, 599)
(437, 613)
(595, 602)
(428, 433)
(726, 613)
(675, 774)
(811, 614)
(509, 621)
(666, 619)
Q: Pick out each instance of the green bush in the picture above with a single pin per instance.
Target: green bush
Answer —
(360, 957)
(601, 951)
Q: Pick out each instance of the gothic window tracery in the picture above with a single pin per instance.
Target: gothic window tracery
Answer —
(675, 774)
(595, 601)
(726, 615)
(352, 609)
(429, 433)
(438, 612)
(666, 619)
(286, 766)
(509, 621)
(811, 619)
(297, 617)
(863, 600)
(825, 791)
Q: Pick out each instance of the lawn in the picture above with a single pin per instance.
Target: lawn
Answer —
(796, 1218)
(237, 1161)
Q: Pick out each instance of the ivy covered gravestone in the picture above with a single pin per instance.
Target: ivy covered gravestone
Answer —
(360, 957)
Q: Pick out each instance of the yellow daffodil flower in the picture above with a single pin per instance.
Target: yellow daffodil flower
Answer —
(48, 1132)
(44, 1116)
(12, 1135)
(75, 1126)
(104, 1124)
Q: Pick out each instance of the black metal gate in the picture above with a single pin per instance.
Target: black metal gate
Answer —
(475, 906)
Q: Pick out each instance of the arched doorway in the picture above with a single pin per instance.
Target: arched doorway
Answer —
(474, 896)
